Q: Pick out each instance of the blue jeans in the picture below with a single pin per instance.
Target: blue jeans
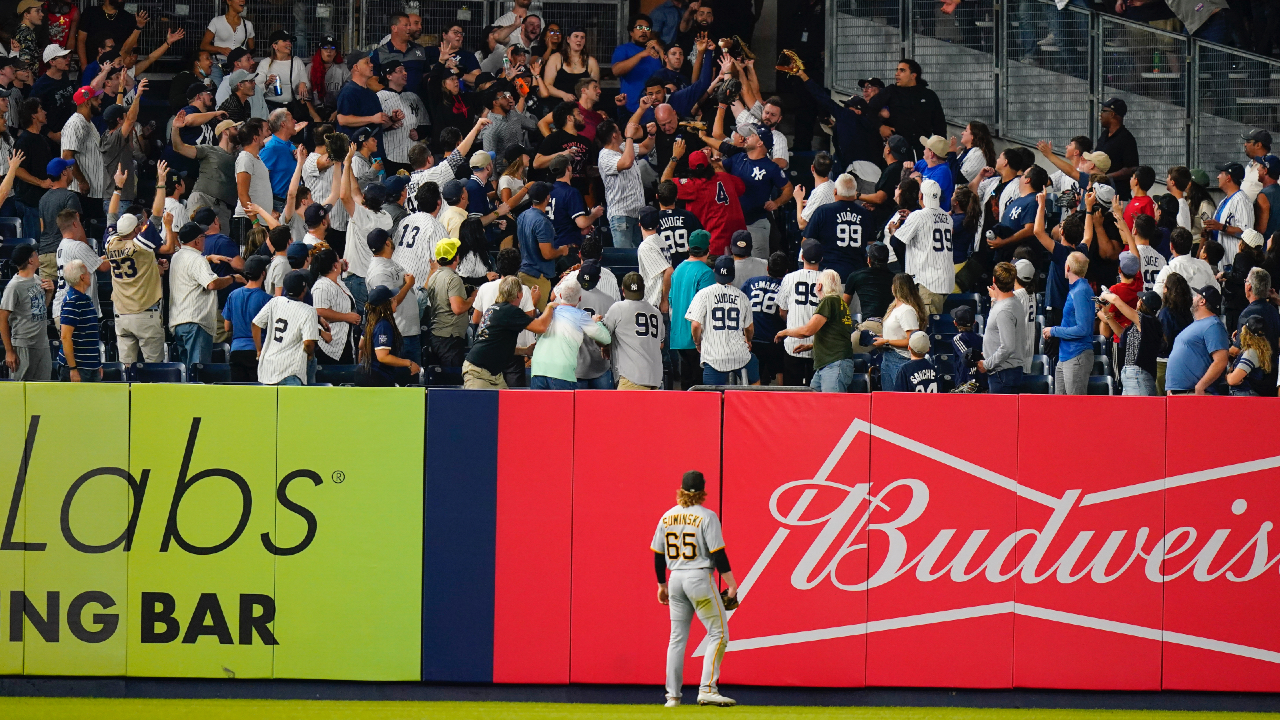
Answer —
(604, 382)
(411, 347)
(359, 292)
(291, 380)
(1216, 29)
(626, 231)
(312, 363)
(542, 382)
(1004, 382)
(1136, 381)
(30, 215)
(195, 344)
(94, 375)
(712, 376)
(890, 363)
(833, 377)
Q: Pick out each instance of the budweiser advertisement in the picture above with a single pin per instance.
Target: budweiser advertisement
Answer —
(968, 541)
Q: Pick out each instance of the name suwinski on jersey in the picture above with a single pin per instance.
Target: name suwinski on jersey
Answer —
(682, 519)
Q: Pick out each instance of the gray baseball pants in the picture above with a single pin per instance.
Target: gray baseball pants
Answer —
(694, 591)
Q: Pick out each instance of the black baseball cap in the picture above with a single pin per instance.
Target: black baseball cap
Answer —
(194, 90)
(873, 82)
(649, 217)
(589, 275)
(693, 481)
(1151, 300)
(633, 286)
(899, 146)
(538, 193)
(279, 35)
(314, 215)
(1234, 169)
(391, 66)
(205, 216)
(189, 232)
(451, 192)
(110, 115)
(1212, 298)
(236, 54)
(724, 269)
(740, 243)
(811, 251)
(515, 152)
(380, 295)
(297, 251)
(255, 266)
(962, 316)
(354, 58)
(295, 282)
(327, 41)
(377, 239)
(1117, 106)
(1258, 136)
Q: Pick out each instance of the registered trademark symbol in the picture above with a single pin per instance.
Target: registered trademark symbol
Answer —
(338, 476)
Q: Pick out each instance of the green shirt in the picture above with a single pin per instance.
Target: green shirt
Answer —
(833, 341)
(443, 285)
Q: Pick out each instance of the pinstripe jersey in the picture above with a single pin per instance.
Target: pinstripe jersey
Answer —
(334, 296)
(608, 283)
(320, 183)
(69, 250)
(725, 314)
(395, 141)
(286, 324)
(82, 138)
(799, 297)
(654, 258)
(687, 536)
(927, 235)
(416, 244)
(440, 173)
(1236, 211)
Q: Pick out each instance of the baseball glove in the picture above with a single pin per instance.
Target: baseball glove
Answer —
(790, 63)
(728, 91)
(746, 51)
(730, 603)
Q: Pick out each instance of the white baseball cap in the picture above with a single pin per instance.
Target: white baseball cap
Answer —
(53, 51)
(1026, 270)
(919, 342)
(930, 193)
(1251, 237)
(126, 224)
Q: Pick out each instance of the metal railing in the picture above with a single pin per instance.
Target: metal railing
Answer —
(1034, 72)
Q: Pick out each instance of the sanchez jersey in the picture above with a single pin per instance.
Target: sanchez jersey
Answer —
(927, 235)
(725, 314)
(415, 242)
(135, 276)
(687, 536)
(286, 324)
(798, 295)
(919, 376)
(841, 227)
(762, 291)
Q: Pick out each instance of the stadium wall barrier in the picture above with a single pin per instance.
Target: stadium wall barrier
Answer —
(1098, 543)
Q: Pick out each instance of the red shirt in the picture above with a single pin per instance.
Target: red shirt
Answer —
(591, 118)
(1142, 205)
(1128, 292)
(715, 201)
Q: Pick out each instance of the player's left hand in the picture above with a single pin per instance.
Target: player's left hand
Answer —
(663, 598)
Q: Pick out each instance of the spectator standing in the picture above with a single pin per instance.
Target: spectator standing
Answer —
(536, 237)
(745, 267)
(711, 194)
(78, 358)
(1127, 290)
(624, 193)
(1003, 349)
(675, 224)
(508, 265)
(227, 33)
(934, 166)
(136, 294)
(873, 284)
(241, 308)
(636, 61)
(397, 103)
(277, 154)
(902, 319)
(1140, 182)
(555, 358)
(1175, 316)
(1195, 271)
(1257, 145)
(914, 110)
(383, 270)
(425, 169)
(281, 77)
(250, 100)
(842, 226)
(967, 345)
(1257, 290)
(380, 344)
(327, 73)
(830, 327)
(762, 291)
(568, 66)
(926, 237)
(919, 375)
(253, 180)
(1269, 193)
(510, 124)
(1234, 214)
(1140, 340)
(1248, 375)
(761, 177)
(37, 150)
(75, 246)
(107, 21)
(1017, 220)
(721, 323)
(979, 152)
(57, 198)
(450, 303)
(401, 49)
(1073, 170)
(693, 275)
(334, 304)
(193, 300)
(31, 16)
(364, 208)
(498, 333)
(358, 106)
(285, 332)
(216, 184)
(654, 259)
(637, 333)
(81, 142)
(823, 190)
(417, 236)
(237, 106)
(1199, 354)
(454, 195)
(567, 142)
(1025, 292)
(591, 251)
(594, 371)
(1075, 335)
(1119, 145)
(24, 318)
(201, 73)
(797, 299)
(856, 135)
(55, 88)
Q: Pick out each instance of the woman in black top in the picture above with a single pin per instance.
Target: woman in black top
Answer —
(1140, 342)
(569, 64)
(446, 103)
(381, 345)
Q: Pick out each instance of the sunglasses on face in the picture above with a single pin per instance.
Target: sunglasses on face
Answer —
(553, 32)
(646, 28)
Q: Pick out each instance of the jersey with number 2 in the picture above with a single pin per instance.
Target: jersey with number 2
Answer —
(687, 536)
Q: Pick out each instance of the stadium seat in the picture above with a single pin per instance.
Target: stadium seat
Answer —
(612, 257)
(1102, 385)
(861, 383)
(1100, 344)
(6, 251)
(221, 353)
(942, 340)
(1036, 385)
(210, 373)
(945, 367)
(10, 228)
(337, 374)
(955, 300)
(113, 372)
(1039, 365)
(861, 362)
(1101, 365)
(437, 376)
(941, 324)
(946, 382)
(167, 372)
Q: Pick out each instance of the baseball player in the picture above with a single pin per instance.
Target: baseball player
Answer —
(919, 374)
(843, 227)
(285, 332)
(722, 324)
(135, 291)
(689, 543)
(797, 299)
(926, 233)
(638, 332)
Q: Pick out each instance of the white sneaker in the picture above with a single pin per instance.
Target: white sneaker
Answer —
(673, 702)
(1047, 40)
(710, 698)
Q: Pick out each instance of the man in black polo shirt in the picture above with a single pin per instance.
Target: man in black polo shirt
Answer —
(896, 152)
(1118, 143)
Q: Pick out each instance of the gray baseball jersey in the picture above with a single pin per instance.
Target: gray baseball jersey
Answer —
(384, 271)
(638, 332)
(687, 536)
(927, 235)
(286, 324)
(415, 242)
(799, 297)
(591, 360)
(724, 312)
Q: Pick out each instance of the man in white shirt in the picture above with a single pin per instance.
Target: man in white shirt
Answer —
(365, 210)
(1195, 271)
(285, 332)
(768, 114)
(654, 259)
(797, 299)
(193, 297)
(624, 194)
(1234, 214)
(927, 235)
(824, 190)
(425, 169)
(397, 138)
(75, 246)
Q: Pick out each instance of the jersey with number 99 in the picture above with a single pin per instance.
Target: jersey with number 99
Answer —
(687, 536)
(799, 297)
(927, 233)
(841, 227)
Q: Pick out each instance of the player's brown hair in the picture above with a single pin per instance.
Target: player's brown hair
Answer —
(688, 498)
(1003, 277)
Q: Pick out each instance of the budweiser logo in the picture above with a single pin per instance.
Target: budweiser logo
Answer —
(882, 516)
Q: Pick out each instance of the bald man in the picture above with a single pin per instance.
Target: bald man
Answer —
(667, 126)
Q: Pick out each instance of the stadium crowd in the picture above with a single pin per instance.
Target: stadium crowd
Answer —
(490, 215)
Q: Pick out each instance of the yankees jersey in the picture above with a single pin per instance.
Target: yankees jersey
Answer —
(762, 291)
(1237, 211)
(69, 250)
(687, 536)
(840, 227)
(725, 314)
(135, 276)
(798, 295)
(1027, 338)
(927, 235)
(1152, 263)
(654, 259)
(395, 141)
(674, 227)
(919, 376)
(416, 244)
(334, 296)
(286, 324)
(821, 195)
(608, 283)
(638, 331)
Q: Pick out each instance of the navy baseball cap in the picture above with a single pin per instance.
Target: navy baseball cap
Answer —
(352, 59)
(1151, 300)
(190, 232)
(740, 243)
(205, 216)
(314, 215)
(375, 192)
(811, 251)
(380, 295)
(377, 239)
(295, 282)
(395, 185)
(452, 192)
(363, 134)
(693, 481)
(255, 267)
(1272, 164)
(962, 316)
(899, 146)
(1234, 169)
(297, 251)
(539, 192)
(649, 217)
(589, 275)
(724, 269)
(1212, 298)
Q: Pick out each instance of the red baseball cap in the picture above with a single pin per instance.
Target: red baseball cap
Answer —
(85, 94)
(697, 159)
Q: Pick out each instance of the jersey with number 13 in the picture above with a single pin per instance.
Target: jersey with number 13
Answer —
(687, 536)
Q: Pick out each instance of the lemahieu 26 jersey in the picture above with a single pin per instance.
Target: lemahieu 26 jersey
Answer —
(799, 297)
(286, 324)
(927, 235)
(724, 312)
(687, 536)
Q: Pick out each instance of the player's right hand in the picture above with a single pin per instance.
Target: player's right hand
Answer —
(663, 598)
(11, 360)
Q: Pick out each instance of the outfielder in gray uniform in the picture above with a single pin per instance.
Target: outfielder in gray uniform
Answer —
(689, 543)
(638, 332)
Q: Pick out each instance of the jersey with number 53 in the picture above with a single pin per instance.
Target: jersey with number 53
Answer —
(415, 242)
(687, 536)
(799, 297)
(841, 227)
(927, 234)
(286, 325)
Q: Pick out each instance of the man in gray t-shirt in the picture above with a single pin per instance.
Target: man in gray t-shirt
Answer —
(52, 203)
(23, 319)
(638, 332)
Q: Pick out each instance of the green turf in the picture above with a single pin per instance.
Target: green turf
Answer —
(69, 708)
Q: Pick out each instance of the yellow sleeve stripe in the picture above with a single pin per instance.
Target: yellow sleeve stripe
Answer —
(716, 550)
